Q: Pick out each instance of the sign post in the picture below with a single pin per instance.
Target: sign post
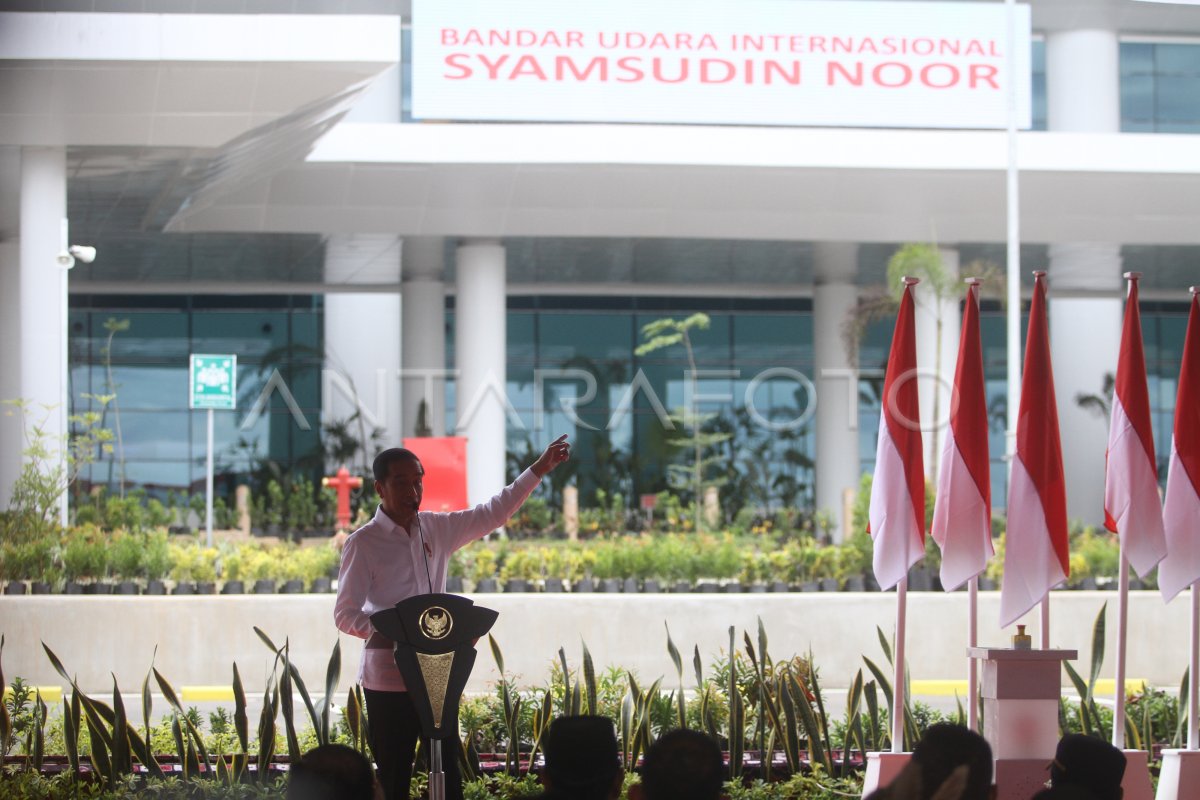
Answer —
(212, 385)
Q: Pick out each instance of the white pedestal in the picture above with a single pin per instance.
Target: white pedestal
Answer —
(1020, 691)
(1180, 776)
(882, 769)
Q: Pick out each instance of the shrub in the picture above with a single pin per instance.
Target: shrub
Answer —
(128, 555)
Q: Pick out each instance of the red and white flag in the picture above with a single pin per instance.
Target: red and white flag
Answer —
(1035, 553)
(1131, 505)
(1181, 511)
(962, 514)
(897, 516)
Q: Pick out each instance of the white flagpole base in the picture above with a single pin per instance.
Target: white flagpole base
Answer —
(1180, 776)
(882, 769)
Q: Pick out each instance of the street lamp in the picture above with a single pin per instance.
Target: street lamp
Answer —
(67, 256)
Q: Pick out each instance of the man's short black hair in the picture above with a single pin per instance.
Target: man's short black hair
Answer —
(945, 747)
(582, 759)
(382, 464)
(331, 772)
(683, 765)
(1089, 763)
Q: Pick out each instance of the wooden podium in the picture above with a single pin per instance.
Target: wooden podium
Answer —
(1020, 691)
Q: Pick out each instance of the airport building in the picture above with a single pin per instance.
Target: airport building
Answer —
(452, 217)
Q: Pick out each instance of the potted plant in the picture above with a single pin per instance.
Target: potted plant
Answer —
(483, 569)
(233, 565)
(579, 569)
(157, 561)
(84, 559)
(520, 568)
(554, 568)
(260, 568)
(290, 569)
(316, 563)
(456, 571)
(128, 554)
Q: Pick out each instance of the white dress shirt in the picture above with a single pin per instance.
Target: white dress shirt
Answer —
(383, 564)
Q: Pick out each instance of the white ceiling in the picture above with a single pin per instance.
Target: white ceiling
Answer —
(728, 183)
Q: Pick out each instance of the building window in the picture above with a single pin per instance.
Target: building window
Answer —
(1160, 87)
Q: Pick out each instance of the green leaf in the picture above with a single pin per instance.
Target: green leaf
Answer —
(333, 674)
(885, 686)
(589, 679)
(121, 759)
(241, 722)
(886, 645)
(1082, 689)
(1097, 648)
(496, 654)
(285, 705)
(71, 713)
(99, 752)
(39, 730)
(677, 660)
(566, 674)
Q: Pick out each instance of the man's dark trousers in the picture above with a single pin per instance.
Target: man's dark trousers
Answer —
(395, 729)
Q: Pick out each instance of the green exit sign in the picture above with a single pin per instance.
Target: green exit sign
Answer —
(213, 382)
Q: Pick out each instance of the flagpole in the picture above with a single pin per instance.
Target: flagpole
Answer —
(898, 688)
(1013, 257)
(1118, 734)
(1193, 742)
(973, 663)
(1045, 622)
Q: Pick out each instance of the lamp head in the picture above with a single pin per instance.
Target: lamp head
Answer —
(83, 252)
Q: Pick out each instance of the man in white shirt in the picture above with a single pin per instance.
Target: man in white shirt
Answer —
(403, 552)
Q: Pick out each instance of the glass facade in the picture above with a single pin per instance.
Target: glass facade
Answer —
(136, 349)
(572, 368)
(1160, 87)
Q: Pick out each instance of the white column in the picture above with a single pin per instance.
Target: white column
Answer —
(423, 362)
(1083, 94)
(1083, 81)
(42, 291)
(937, 354)
(479, 348)
(362, 343)
(1085, 337)
(834, 298)
(11, 439)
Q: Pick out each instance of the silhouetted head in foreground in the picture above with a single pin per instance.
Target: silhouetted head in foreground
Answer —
(332, 772)
(681, 765)
(945, 747)
(1089, 763)
(582, 760)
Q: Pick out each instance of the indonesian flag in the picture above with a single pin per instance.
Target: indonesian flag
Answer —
(963, 512)
(1131, 505)
(897, 515)
(1035, 555)
(1181, 511)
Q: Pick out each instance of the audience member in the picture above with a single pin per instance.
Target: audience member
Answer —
(582, 759)
(945, 747)
(681, 765)
(1064, 793)
(1088, 763)
(332, 772)
(949, 763)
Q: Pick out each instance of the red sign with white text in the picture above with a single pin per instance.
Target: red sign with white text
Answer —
(755, 62)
